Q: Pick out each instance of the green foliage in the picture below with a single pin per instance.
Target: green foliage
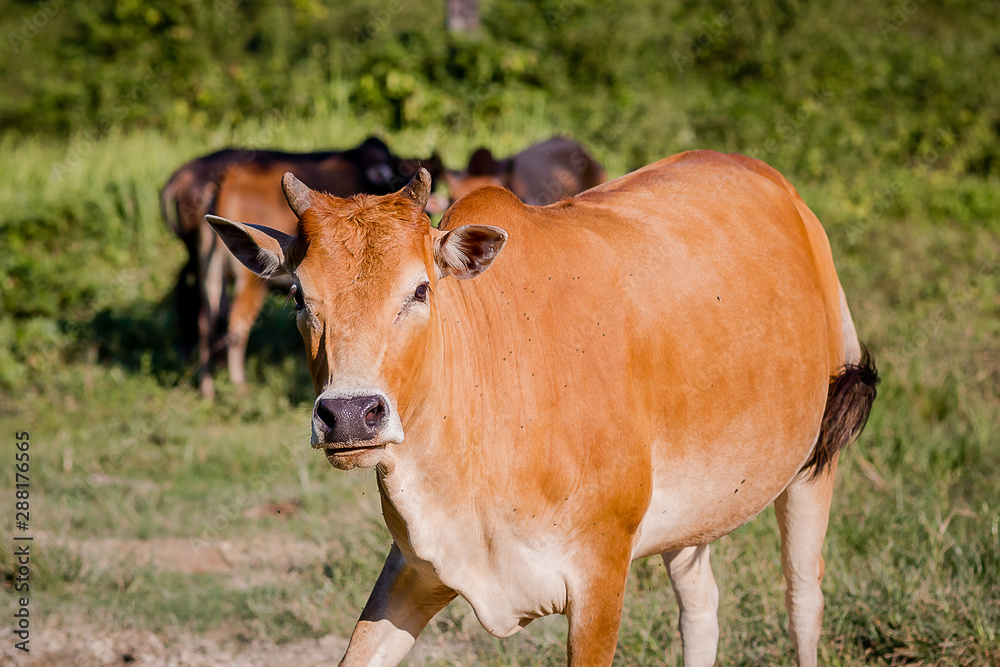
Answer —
(791, 80)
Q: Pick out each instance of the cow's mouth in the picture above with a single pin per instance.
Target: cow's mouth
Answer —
(364, 455)
(353, 449)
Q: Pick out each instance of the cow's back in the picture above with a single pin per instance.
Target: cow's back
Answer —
(252, 191)
(667, 334)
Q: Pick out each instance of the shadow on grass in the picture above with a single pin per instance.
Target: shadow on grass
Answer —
(146, 338)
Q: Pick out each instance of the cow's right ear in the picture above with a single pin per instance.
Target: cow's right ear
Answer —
(261, 249)
(467, 251)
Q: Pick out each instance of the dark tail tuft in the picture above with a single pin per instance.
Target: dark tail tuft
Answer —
(848, 404)
(168, 204)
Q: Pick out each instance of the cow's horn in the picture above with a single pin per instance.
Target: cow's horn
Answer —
(299, 196)
(418, 190)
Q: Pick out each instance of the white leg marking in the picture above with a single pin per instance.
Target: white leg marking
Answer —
(803, 511)
(690, 571)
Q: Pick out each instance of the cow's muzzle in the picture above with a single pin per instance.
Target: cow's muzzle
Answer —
(349, 422)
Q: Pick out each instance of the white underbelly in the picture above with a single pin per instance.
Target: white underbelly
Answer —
(703, 503)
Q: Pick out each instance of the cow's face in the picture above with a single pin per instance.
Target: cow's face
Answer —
(364, 271)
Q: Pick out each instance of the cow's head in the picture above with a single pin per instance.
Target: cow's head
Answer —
(364, 272)
(483, 170)
(384, 172)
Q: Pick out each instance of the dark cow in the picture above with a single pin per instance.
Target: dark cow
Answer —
(248, 183)
(538, 175)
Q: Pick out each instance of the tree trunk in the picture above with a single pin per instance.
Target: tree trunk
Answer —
(463, 15)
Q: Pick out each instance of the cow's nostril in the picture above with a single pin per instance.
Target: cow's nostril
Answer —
(375, 414)
(326, 416)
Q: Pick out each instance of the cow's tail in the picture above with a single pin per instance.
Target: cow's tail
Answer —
(168, 204)
(848, 403)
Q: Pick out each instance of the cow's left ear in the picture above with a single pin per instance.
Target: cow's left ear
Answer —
(261, 249)
(468, 251)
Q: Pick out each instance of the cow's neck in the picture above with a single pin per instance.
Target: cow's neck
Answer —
(466, 340)
(449, 431)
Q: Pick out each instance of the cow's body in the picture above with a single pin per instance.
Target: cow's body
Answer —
(591, 386)
(246, 184)
(539, 175)
(644, 368)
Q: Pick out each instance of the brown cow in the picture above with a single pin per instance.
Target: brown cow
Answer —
(184, 201)
(541, 174)
(246, 184)
(641, 370)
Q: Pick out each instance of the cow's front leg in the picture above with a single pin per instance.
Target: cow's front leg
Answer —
(403, 601)
(595, 613)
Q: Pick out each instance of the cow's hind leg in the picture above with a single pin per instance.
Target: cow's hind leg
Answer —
(803, 511)
(248, 298)
(211, 277)
(690, 571)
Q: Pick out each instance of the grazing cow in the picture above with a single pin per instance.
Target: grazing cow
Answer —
(634, 371)
(539, 175)
(246, 184)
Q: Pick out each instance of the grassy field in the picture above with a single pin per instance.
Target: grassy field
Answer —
(169, 530)
(167, 526)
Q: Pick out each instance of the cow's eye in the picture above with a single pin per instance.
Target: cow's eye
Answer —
(421, 292)
(296, 294)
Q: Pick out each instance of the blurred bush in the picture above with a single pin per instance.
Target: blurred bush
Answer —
(846, 81)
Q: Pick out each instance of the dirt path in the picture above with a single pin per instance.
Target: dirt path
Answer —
(73, 640)
(87, 646)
